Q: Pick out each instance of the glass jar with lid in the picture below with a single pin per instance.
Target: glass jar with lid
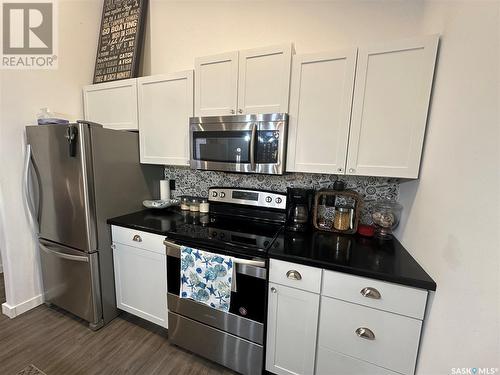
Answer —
(194, 205)
(204, 206)
(185, 203)
(342, 218)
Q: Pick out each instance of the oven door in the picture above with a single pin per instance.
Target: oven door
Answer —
(247, 310)
(249, 144)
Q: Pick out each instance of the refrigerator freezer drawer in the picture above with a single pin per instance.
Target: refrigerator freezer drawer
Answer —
(71, 281)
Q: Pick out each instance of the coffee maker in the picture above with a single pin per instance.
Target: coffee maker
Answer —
(298, 211)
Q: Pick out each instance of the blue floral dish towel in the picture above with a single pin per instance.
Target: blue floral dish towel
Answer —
(206, 277)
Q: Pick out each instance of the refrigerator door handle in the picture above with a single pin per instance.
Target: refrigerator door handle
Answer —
(76, 258)
(26, 187)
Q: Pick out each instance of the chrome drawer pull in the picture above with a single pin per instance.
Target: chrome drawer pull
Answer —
(365, 333)
(137, 238)
(294, 275)
(273, 290)
(370, 293)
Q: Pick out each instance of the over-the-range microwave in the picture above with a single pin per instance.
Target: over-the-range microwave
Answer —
(242, 143)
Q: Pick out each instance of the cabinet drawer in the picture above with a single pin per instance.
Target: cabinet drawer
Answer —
(334, 363)
(394, 344)
(137, 238)
(295, 275)
(379, 294)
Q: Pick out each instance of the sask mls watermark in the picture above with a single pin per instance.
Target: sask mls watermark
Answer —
(29, 39)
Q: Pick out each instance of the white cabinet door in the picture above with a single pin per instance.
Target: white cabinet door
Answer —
(291, 331)
(112, 104)
(320, 111)
(216, 84)
(141, 282)
(391, 98)
(165, 105)
(264, 79)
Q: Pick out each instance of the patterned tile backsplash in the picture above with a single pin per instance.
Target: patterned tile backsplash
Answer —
(196, 183)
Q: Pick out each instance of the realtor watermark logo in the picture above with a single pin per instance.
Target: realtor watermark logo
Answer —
(29, 40)
(474, 370)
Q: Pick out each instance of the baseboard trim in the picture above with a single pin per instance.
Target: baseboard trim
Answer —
(13, 311)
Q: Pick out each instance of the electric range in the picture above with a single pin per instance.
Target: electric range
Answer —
(244, 224)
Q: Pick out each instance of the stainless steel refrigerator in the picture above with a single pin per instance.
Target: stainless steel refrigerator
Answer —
(76, 177)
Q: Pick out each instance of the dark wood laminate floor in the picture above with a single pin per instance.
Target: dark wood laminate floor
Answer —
(58, 344)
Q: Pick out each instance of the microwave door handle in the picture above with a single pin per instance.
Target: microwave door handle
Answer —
(252, 147)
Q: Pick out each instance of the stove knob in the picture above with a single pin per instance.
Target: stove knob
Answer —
(214, 194)
(269, 199)
(222, 194)
(222, 235)
(214, 234)
(279, 200)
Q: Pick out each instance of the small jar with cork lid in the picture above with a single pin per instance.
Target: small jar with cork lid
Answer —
(342, 218)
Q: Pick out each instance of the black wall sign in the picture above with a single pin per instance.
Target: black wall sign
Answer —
(120, 40)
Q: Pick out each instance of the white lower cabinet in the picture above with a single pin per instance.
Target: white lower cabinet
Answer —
(378, 337)
(333, 363)
(291, 330)
(324, 328)
(141, 277)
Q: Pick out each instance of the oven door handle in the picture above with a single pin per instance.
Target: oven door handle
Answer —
(174, 250)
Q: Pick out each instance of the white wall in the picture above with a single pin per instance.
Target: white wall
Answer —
(22, 94)
(182, 30)
(451, 222)
(452, 229)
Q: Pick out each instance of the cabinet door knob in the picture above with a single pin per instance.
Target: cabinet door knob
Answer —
(369, 292)
(137, 238)
(232, 111)
(339, 169)
(240, 110)
(273, 290)
(294, 275)
(352, 170)
(365, 333)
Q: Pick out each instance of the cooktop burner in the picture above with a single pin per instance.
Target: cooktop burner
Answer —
(245, 221)
(224, 232)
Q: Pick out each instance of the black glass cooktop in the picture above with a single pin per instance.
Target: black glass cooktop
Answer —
(226, 234)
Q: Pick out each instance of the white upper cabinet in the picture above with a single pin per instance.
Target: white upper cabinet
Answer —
(391, 98)
(320, 110)
(244, 82)
(216, 86)
(264, 79)
(112, 104)
(165, 105)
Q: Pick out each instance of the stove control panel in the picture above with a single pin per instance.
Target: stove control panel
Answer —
(248, 197)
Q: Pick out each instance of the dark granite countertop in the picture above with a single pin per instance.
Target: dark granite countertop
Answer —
(149, 220)
(385, 260)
